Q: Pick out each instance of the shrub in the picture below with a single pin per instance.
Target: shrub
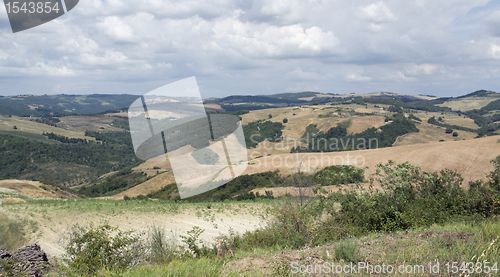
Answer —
(449, 130)
(11, 233)
(455, 134)
(15, 127)
(163, 247)
(348, 250)
(285, 120)
(338, 175)
(190, 241)
(270, 116)
(91, 249)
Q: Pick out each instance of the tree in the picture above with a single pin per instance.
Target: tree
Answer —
(449, 130)
(270, 116)
(455, 134)
(285, 120)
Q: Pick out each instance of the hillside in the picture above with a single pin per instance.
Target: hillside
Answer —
(471, 158)
(32, 189)
(59, 142)
(38, 105)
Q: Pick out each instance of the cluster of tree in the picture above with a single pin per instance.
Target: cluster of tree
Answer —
(398, 105)
(64, 139)
(49, 120)
(116, 183)
(121, 123)
(413, 117)
(411, 197)
(258, 131)
(238, 188)
(486, 123)
(120, 138)
(337, 138)
(248, 107)
(487, 126)
(23, 157)
(433, 121)
(339, 175)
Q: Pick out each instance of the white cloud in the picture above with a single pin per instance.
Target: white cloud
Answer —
(355, 77)
(495, 51)
(263, 40)
(378, 13)
(258, 46)
(298, 73)
(118, 30)
(420, 69)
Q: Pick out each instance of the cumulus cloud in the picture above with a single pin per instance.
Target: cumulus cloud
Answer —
(355, 77)
(378, 13)
(258, 46)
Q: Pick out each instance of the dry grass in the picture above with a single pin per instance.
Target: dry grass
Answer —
(34, 189)
(471, 158)
(361, 123)
(25, 125)
(467, 104)
(79, 123)
(8, 201)
(431, 133)
(460, 121)
(294, 191)
(54, 218)
(147, 187)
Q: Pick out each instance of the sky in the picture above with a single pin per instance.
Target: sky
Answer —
(243, 47)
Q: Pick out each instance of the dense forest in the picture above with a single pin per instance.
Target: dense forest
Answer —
(72, 161)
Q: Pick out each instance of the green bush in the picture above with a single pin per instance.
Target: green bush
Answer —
(449, 130)
(12, 234)
(412, 197)
(163, 247)
(339, 174)
(91, 249)
(197, 251)
(348, 250)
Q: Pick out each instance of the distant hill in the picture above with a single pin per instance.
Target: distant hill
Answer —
(27, 105)
(480, 93)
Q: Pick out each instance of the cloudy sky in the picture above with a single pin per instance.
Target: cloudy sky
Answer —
(442, 48)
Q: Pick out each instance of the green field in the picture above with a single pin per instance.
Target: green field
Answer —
(32, 136)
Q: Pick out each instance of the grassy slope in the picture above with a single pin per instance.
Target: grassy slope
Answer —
(471, 158)
(24, 125)
(460, 242)
(54, 218)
